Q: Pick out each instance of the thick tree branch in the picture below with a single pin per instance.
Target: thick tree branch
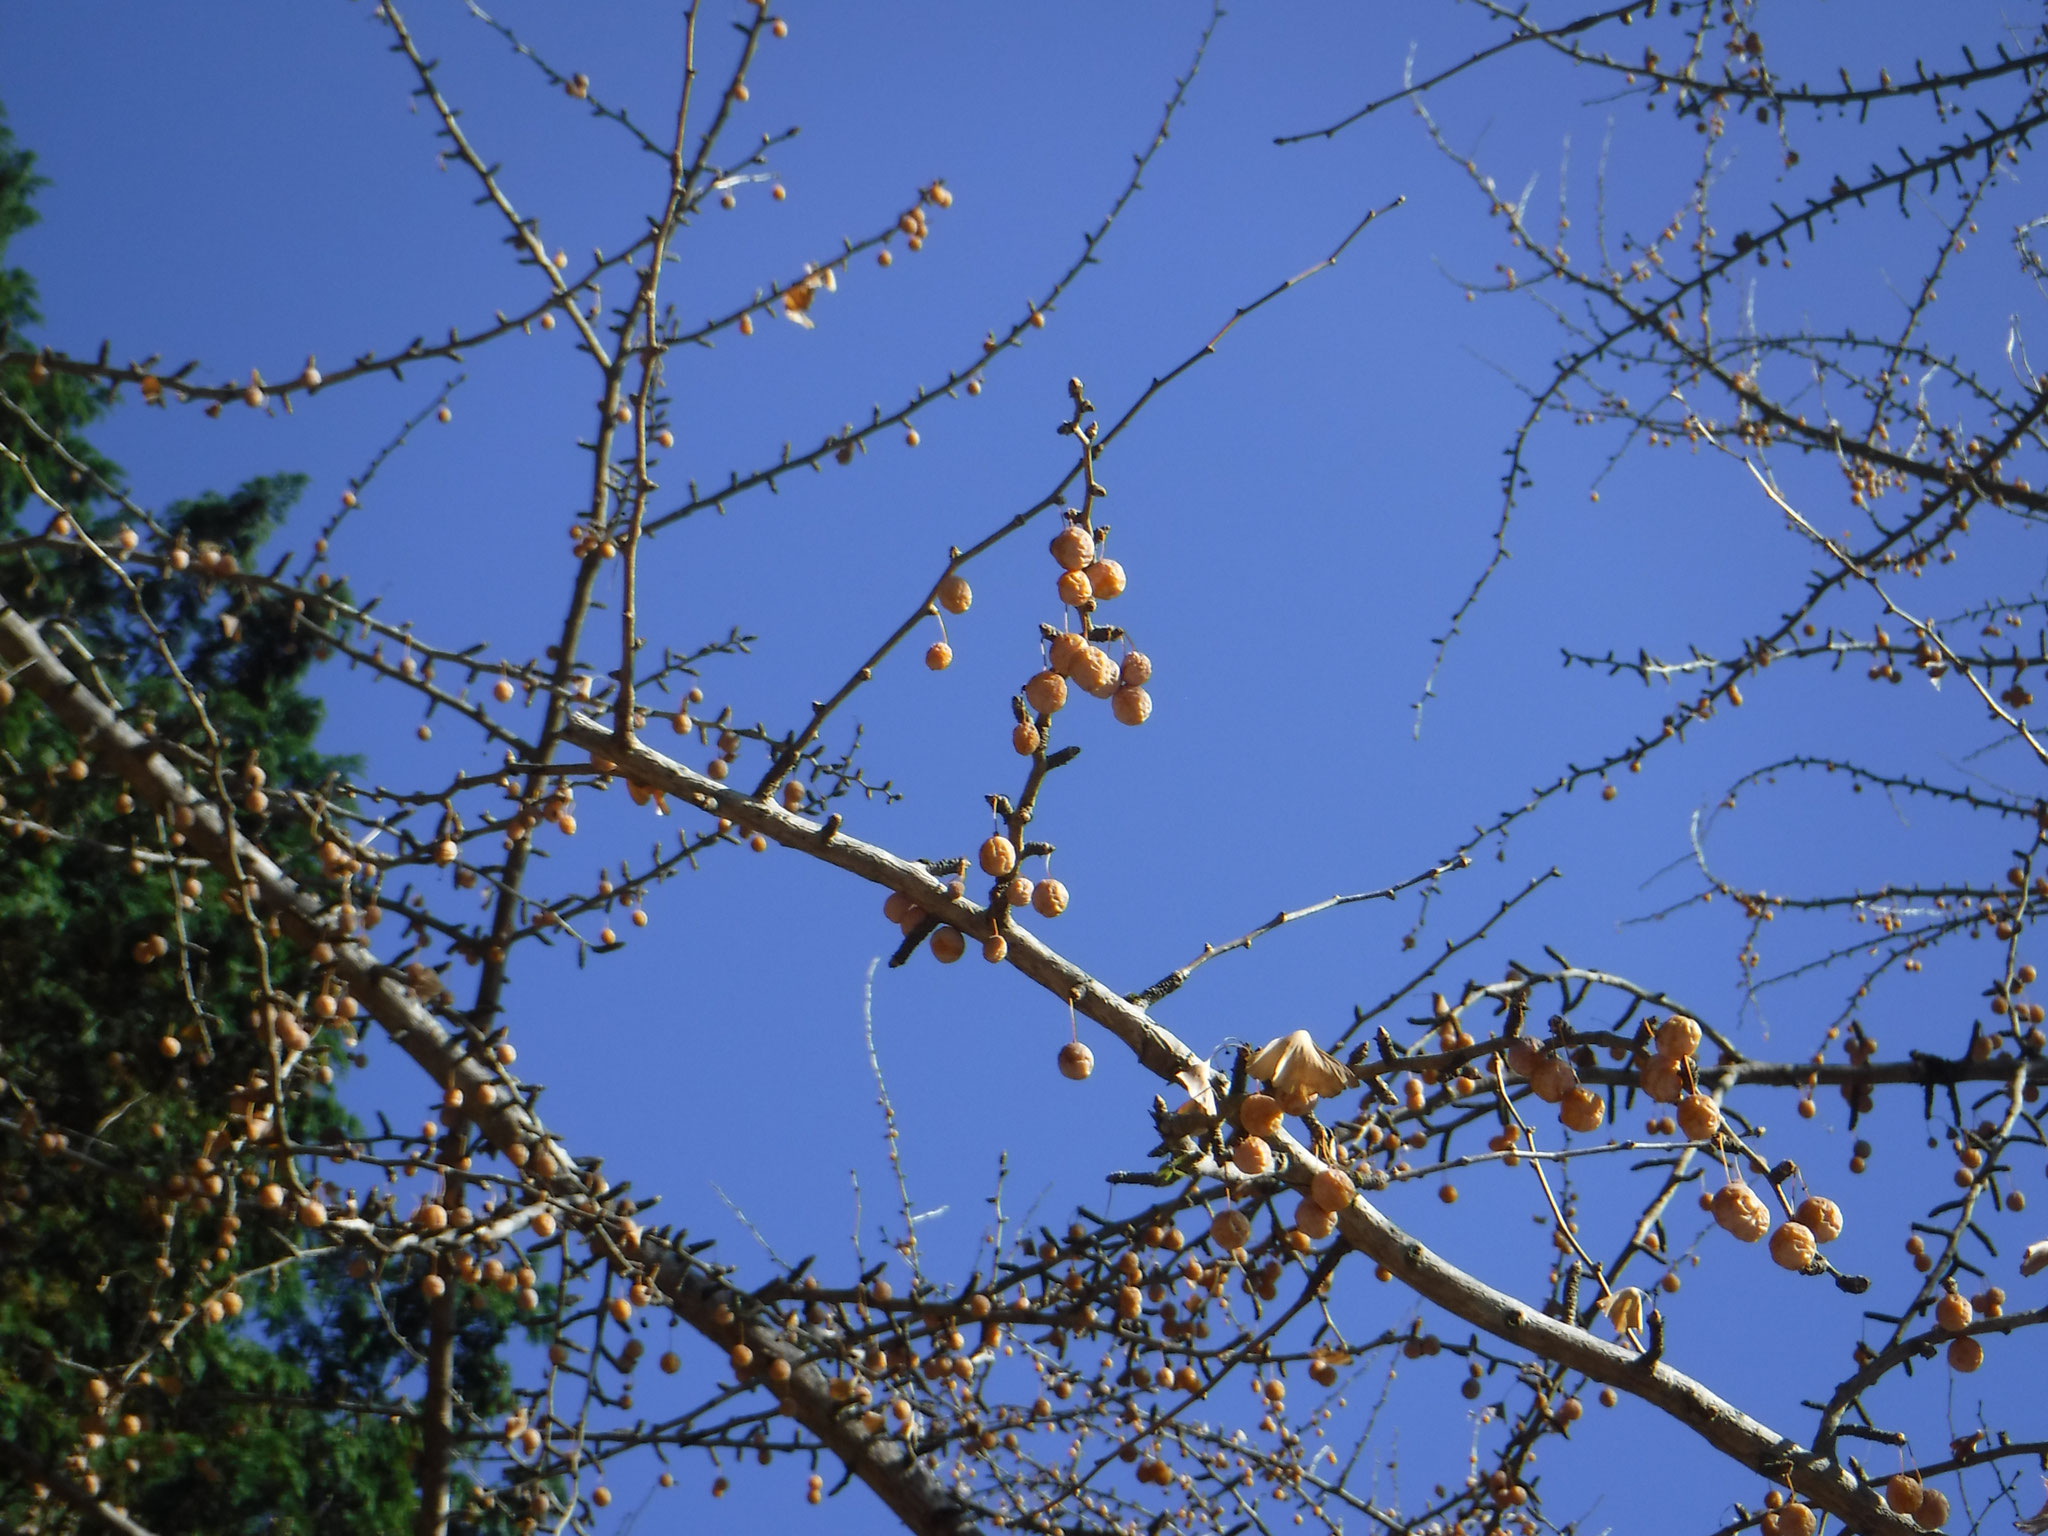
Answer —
(1719, 1423)
(493, 1101)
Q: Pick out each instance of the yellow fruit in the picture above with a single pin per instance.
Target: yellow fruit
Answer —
(939, 657)
(1105, 580)
(1903, 1493)
(955, 595)
(1933, 1511)
(1048, 898)
(948, 945)
(1953, 1313)
(1136, 670)
(998, 856)
(1076, 1060)
(1073, 588)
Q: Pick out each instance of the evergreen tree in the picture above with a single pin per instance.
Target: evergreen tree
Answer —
(171, 1343)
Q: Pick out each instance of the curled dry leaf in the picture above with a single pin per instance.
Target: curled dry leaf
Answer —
(1624, 1309)
(2035, 1524)
(1201, 1088)
(1296, 1064)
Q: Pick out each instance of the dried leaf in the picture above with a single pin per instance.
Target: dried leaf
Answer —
(1624, 1309)
(1297, 1067)
(1201, 1088)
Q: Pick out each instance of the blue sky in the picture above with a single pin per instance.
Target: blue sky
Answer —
(248, 185)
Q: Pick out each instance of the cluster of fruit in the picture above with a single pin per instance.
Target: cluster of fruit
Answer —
(1087, 578)
(1740, 1212)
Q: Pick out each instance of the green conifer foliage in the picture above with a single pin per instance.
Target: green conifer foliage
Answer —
(175, 1338)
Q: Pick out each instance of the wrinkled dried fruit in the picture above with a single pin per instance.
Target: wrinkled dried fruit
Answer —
(1046, 693)
(1076, 1060)
(1738, 1211)
(1820, 1216)
(1552, 1078)
(1933, 1511)
(1048, 898)
(1700, 1118)
(1792, 1246)
(1136, 670)
(1106, 579)
(1677, 1038)
(1131, 706)
(1662, 1079)
(955, 596)
(1073, 547)
(1094, 673)
(998, 856)
(1582, 1110)
(1903, 1493)
(948, 945)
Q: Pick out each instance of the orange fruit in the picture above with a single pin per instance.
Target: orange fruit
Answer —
(1073, 547)
(1046, 693)
(1738, 1211)
(1792, 1246)
(1131, 706)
